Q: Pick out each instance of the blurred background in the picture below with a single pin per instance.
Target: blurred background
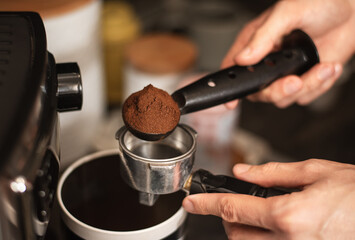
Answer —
(122, 46)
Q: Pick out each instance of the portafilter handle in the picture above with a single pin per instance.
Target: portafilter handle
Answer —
(203, 181)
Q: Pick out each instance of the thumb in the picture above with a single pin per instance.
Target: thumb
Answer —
(280, 22)
(243, 38)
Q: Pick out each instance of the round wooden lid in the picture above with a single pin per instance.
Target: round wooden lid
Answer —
(46, 8)
(162, 53)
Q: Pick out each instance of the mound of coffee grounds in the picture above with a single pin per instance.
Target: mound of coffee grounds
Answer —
(151, 110)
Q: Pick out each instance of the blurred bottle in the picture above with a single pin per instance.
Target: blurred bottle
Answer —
(120, 26)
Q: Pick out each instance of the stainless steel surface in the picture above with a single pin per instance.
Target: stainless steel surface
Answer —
(157, 167)
(148, 199)
(18, 196)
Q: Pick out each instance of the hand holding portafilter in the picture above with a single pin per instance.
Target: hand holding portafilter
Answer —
(162, 167)
(297, 55)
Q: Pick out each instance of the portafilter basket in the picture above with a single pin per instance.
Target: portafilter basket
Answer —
(157, 167)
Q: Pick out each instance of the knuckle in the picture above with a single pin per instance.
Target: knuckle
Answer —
(277, 92)
(266, 95)
(267, 169)
(227, 210)
(313, 85)
(312, 166)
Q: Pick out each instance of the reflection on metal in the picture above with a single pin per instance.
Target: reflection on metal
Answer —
(19, 185)
(147, 199)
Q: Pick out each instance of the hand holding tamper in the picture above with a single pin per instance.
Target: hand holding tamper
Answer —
(297, 55)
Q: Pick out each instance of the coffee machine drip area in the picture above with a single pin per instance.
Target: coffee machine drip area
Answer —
(33, 89)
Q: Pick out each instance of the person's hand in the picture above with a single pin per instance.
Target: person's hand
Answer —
(330, 23)
(324, 209)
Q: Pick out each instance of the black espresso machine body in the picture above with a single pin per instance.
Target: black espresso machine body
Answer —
(33, 88)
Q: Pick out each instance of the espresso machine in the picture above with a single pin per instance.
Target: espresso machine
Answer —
(33, 89)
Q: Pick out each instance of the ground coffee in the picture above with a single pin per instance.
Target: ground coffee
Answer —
(151, 110)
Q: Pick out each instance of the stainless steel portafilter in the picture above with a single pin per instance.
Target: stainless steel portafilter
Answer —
(161, 167)
(157, 167)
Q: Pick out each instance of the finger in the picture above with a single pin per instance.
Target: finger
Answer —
(280, 92)
(237, 208)
(232, 105)
(238, 231)
(292, 89)
(293, 174)
(242, 39)
(318, 80)
(269, 34)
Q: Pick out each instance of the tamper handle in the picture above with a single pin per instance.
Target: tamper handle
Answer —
(298, 54)
(203, 181)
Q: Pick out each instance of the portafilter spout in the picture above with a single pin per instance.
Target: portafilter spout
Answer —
(148, 199)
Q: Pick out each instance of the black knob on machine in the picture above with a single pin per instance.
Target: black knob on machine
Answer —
(70, 89)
